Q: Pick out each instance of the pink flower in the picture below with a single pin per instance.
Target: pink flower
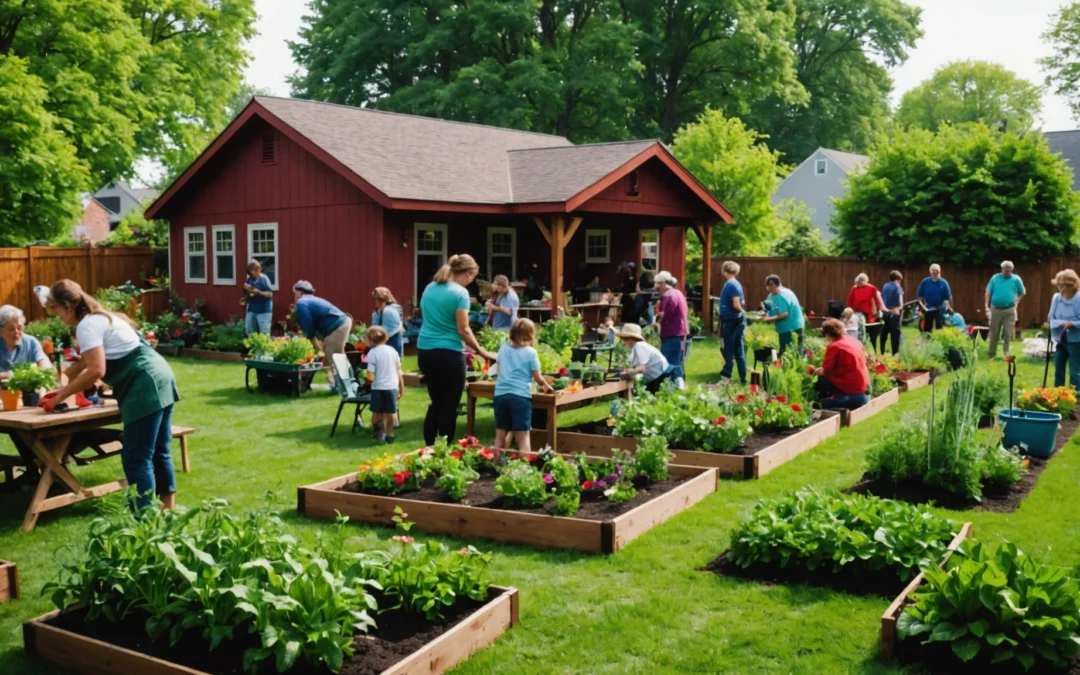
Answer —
(403, 539)
(487, 454)
(753, 389)
(548, 479)
(778, 363)
(464, 550)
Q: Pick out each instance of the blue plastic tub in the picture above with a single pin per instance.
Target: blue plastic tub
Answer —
(1036, 430)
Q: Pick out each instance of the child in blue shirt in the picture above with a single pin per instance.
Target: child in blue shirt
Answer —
(517, 365)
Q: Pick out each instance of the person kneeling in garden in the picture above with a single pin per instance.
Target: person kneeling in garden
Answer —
(517, 364)
(387, 383)
(842, 378)
(644, 359)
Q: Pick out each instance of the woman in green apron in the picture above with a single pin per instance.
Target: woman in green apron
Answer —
(143, 383)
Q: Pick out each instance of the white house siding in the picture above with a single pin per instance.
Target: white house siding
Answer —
(817, 192)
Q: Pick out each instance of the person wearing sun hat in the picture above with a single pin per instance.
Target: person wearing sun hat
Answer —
(645, 359)
(321, 320)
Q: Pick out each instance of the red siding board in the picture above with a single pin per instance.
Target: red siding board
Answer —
(659, 194)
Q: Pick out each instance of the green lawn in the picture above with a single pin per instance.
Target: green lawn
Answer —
(644, 609)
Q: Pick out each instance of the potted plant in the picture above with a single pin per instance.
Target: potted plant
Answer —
(28, 378)
(281, 365)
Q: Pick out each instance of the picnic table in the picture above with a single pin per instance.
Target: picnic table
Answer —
(551, 403)
(48, 436)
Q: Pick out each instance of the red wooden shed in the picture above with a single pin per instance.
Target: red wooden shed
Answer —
(353, 198)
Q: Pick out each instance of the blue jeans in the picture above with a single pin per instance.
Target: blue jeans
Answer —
(258, 323)
(395, 343)
(734, 350)
(844, 402)
(146, 456)
(1067, 353)
(785, 340)
(645, 307)
(672, 349)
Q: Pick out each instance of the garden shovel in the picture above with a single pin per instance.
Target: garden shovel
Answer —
(1046, 370)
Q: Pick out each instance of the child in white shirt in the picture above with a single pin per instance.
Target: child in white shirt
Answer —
(387, 383)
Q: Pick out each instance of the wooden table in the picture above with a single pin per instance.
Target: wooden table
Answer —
(549, 402)
(48, 436)
(537, 314)
(592, 313)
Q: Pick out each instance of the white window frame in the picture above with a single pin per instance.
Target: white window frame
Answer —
(822, 164)
(259, 227)
(512, 231)
(231, 229)
(188, 231)
(641, 249)
(598, 259)
(417, 252)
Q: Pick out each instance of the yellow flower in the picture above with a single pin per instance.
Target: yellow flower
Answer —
(611, 421)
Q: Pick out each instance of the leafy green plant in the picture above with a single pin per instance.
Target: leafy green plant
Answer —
(550, 360)
(652, 458)
(991, 393)
(954, 341)
(561, 335)
(522, 485)
(51, 327)
(123, 299)
(491, 339)
(29, 377)
(840, 532)
(688, 419)
(921, 354)
(997, 602)
(761, 335)
(455, 478)
(296, 349)
(226, 337)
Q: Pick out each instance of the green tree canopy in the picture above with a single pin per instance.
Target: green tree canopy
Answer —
(962, 195)
(971, 91)
(1063, 66)
(734, 164)
(842, 48)
(801, 238)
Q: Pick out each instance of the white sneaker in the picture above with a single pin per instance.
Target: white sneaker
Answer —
(680, 384)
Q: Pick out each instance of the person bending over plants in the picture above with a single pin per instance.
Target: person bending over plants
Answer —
(518, 364)
(387, 383)
(842, 378)
(645, 359)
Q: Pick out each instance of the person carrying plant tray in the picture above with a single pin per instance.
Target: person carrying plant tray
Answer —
(645, 359)
(842, 378)
(517, 364)
(141, 380)
(387, 383)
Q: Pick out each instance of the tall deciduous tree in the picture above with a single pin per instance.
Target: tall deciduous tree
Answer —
(972, 91)
(1063, 66)
(963, 195)
(734, 164)
(842, 48)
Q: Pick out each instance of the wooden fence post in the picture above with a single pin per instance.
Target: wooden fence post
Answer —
(32, 302)
(92, 269)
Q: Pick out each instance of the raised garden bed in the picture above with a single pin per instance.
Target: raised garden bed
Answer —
(168, 350)
(912, 381)
(854, 580)
(994, 500)
(403, 644)
(762, 453)
(850, 418)
(211, 355)
(598, 526)
(280, 378)
(9, 581)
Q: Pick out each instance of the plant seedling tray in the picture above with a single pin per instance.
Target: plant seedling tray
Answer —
(88, 656)
(850, 418)
(9, 581)
(889, 639)
(327, 499)
(731, 465)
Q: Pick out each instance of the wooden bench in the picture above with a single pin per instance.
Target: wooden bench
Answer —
(182, 433)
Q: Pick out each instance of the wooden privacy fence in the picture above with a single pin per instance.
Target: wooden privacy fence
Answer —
(23, 268)
(817, 280)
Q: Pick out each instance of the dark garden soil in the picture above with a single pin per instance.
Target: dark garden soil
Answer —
(883, 583)
(757, 441)
(398, 635)
(995, 499)
(938, 658)
(594, 505)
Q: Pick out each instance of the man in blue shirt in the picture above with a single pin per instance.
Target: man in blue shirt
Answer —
(893, 295)
(320, 320)
(16, 347)
(1003, 294)
(732, 322)
(935, 297)
(784, 310)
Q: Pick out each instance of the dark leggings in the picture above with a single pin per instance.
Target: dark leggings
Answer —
(444, 372)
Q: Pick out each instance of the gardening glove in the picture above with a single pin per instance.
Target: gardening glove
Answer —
(48, 401)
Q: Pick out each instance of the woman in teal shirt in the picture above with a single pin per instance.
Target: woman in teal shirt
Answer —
(444, 307)
(784, 311)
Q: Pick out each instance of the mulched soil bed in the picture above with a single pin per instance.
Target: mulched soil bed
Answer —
(995, 500)
(938, 658)
(594, 505)
(883, 583)
(399, 635)
(757, 441)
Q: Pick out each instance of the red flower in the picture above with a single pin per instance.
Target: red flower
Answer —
(881, 369)
(456, 454)
(487, 454)
(469, 442)
(399, 478)
(563, 371)
(176, 333)
(778, 363)
(781, 398)
(740, 398)
(514, 455)
(810, 370)
(464, 550)
(753, 389)
(809, 354)
(531, 458)
(758, 413)
(586, 485)
(403, 539)
(719, 420)
(796, 407)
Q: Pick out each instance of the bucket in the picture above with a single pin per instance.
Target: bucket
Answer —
(1036, 430)
(10, 398)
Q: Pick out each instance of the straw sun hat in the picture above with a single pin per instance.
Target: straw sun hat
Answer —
(630, 331)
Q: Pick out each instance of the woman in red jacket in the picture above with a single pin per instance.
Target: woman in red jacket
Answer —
(843, 378)
(865, 298)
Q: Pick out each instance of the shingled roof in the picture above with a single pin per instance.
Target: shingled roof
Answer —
(557, 174)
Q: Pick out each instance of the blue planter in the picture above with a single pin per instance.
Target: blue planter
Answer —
(1037, 430)
(30, 399)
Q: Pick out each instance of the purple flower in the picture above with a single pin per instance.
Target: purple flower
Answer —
(619, 468)
(612, 479)
(548, 479)
(600, 484)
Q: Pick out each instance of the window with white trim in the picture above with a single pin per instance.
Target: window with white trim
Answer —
(650, 250)
(224, 255)
(820, 167)
(597, 246)
(263, 248)
(195, 254)
(502, 252)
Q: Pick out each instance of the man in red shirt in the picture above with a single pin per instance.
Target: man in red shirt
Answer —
(843, 378)
(865, 298)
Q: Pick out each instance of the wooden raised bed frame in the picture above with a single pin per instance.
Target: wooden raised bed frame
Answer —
(93, 657)
(888, 619)
(850, 418)
(211, 355)
(326, 500)
(9, 581)
(738, 466)
(916, 381)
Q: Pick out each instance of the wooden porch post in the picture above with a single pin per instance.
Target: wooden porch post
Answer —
(558, 235)
(704, 231)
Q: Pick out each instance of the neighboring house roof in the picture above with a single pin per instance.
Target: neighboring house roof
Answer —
(400, 160)
(848, 161)
(1067, 144)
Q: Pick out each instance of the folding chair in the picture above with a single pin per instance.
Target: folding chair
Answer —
(352, 392)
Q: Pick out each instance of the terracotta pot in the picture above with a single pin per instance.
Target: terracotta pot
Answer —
(10, 399)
